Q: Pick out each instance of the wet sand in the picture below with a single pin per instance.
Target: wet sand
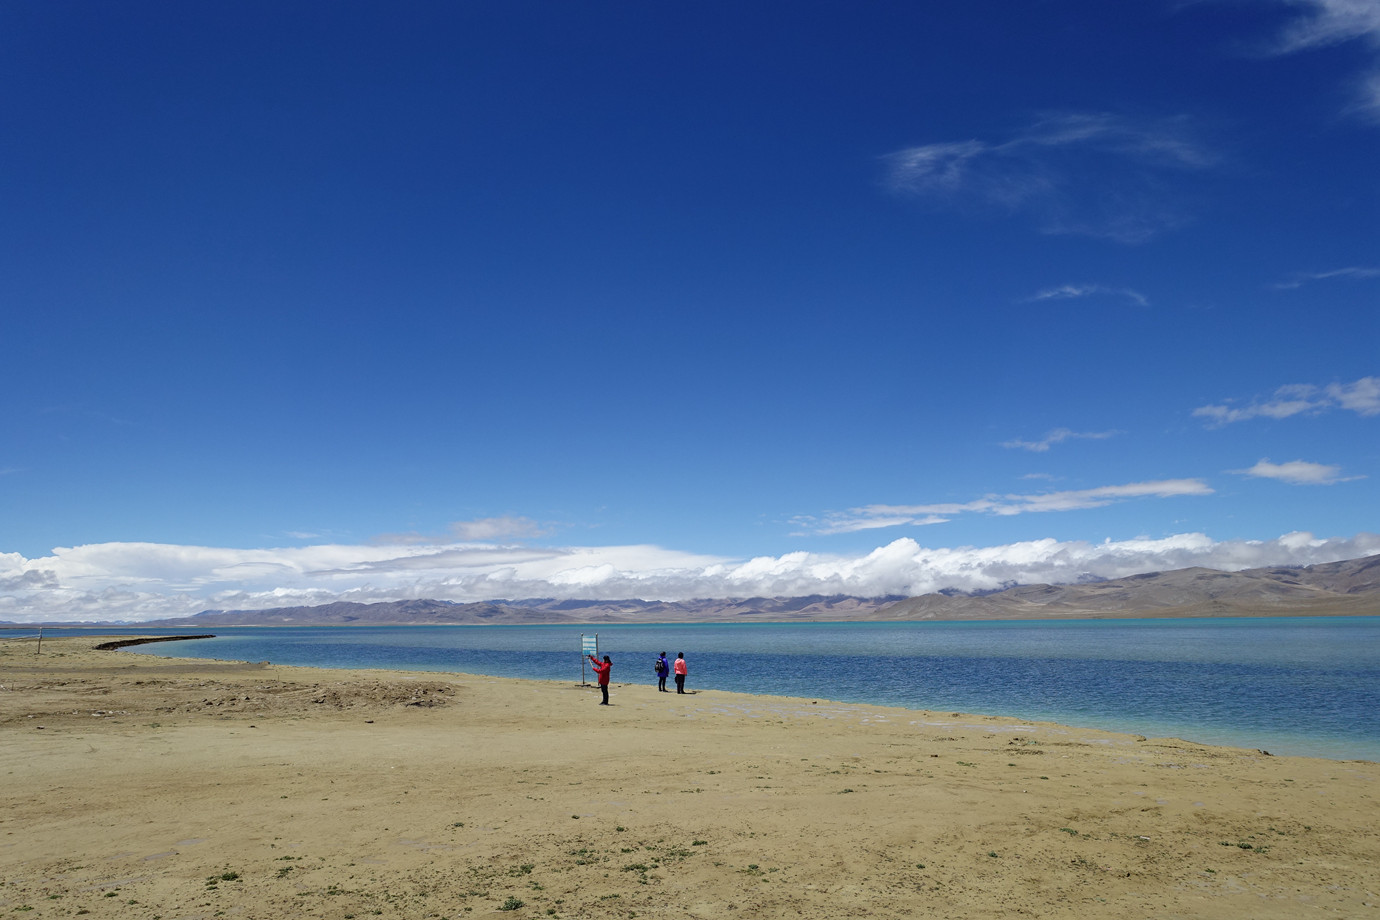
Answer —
(141, 786)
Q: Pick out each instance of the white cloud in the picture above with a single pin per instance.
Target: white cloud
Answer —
(505, 527)
(1091, 174)
(1298, 472)
(497, 528)
(877, 516)
(1104, 495)
(1330, 22)
(1367, 98)
(1361, 396)
(143, 581)
(1057, 436)
(1355, 272)
(1326, 23)
(1076, 291)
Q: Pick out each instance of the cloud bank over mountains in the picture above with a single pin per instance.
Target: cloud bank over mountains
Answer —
(132, 582)
(514, 557)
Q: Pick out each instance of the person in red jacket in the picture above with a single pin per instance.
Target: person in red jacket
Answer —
(681, 670)
(601, 671)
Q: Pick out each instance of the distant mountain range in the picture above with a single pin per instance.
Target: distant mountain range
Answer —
(1350, 588)
(538, 611)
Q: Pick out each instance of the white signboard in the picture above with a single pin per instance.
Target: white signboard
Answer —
(589, 645)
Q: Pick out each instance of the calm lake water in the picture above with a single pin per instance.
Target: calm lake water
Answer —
(1305, 685)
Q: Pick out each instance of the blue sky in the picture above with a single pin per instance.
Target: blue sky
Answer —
(312, 301)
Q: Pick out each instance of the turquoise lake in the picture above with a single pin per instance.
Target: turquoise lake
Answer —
(1296, 685)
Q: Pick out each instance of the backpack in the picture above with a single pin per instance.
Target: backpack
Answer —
(658, 668)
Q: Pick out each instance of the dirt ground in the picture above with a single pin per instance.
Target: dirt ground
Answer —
(140, 786)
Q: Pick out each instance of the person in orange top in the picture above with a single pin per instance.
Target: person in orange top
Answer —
(601, 671)
(681, 670)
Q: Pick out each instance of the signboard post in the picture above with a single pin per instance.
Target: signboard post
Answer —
(589, 645)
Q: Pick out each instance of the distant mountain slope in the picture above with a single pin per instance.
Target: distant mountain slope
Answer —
(543, 610)
(1338, 589)
(345, 613)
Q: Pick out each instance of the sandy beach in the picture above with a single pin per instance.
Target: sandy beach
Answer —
(142, 786)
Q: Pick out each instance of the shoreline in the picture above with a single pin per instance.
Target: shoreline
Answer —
(732, 694)
(1340, 747)
(426, 794)
(1295, 730)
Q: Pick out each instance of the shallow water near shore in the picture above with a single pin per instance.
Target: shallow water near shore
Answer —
(1290, 685)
